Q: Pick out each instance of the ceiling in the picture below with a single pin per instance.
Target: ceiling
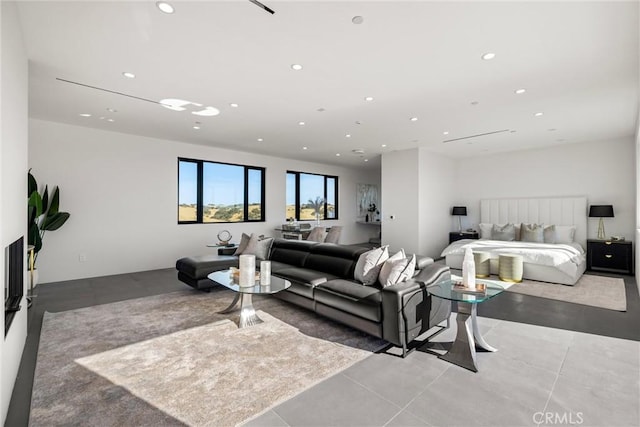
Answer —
(578, 62)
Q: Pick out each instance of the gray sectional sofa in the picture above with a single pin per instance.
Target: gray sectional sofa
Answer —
(321, 276)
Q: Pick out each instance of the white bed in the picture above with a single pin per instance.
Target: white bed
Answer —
(556, 263)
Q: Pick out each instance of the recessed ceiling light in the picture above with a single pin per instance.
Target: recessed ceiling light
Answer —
(414, 119)
(110, 120)
(129, 75)
(164, 7)
(357, 20)
(296, 67)
(366, 160)
(102, 117)
(337, 154)
(196, 127)
(538, 114)
(488, 55)
(446, 132)
(304, 148)
(260, 139)
(383, 145)
(301, 123)
(233, 105)
(348, 135)
(368, 98)
(520, 91)
(111, 110)
(207, 112)
(85, 114)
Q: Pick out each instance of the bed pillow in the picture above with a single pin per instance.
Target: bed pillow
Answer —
(397, 270)
(369, 264)
(549, 234)
(532, 233)
(565, 233)
(485, 231)
(506, 232)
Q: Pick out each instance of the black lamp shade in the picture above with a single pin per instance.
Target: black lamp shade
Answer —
(461, 211)
(601, 211)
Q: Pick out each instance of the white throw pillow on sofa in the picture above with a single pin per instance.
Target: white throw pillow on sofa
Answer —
(397, 269)
(369, 264)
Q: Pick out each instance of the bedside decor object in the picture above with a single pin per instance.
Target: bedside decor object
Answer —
(482, 262)
(247, 271)
(601, 211)
(224, 237)
(459, 211)
(510, 268)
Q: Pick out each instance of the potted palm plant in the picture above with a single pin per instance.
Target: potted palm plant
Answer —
(43, 215)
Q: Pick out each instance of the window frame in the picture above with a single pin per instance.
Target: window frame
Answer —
(200, 191)
(297, 195)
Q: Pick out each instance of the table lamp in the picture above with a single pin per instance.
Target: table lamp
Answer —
(601, 211)
(459, 211)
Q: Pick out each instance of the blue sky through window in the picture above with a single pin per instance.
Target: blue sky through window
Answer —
(223, 184)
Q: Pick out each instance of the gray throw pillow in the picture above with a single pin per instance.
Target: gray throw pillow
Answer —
(244, 241)
(505, 232)
(532, 233)
(260, 248)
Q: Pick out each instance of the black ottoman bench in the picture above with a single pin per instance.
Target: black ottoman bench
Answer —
(194, 270)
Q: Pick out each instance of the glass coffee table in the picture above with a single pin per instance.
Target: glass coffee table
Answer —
(468, 337)
(248, 316)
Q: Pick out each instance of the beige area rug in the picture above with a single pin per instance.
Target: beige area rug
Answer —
(173, 360)
(596, 291)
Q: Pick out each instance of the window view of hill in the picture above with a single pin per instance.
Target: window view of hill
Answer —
(219, 213)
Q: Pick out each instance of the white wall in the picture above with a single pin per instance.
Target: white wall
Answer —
(13, 181)
(121, 192)
(417, 189)
(437, 192)
(400, 200)
(602, 171)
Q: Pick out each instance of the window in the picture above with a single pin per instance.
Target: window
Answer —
(310, 196)
(211, 192)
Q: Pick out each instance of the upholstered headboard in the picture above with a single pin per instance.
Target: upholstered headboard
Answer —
(539, 210)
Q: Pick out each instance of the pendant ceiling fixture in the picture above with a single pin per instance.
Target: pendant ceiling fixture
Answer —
(257, 3)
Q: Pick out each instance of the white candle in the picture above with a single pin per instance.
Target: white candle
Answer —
(247, 270)
(265, 272)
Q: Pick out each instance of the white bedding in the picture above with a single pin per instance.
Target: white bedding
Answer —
(564, 257)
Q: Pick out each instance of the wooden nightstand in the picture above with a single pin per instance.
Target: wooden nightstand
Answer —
(612, 256)
(456, 235)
